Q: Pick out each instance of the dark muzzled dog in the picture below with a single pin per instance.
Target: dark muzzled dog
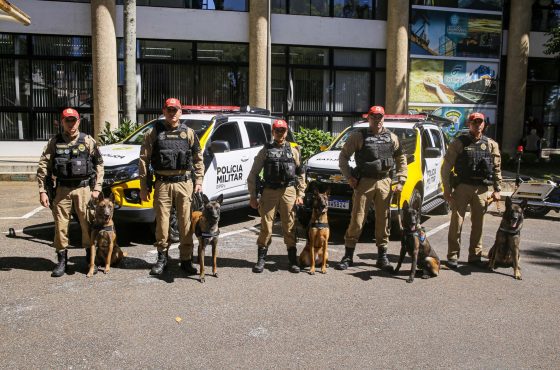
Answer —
(205, 225)
(104, 250)
(318, 232)
(505, 251)
(415, 243)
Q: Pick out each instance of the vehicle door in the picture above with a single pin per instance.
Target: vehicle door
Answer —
(430, 166)
(438, 141)
(258, 133)
(224, 174)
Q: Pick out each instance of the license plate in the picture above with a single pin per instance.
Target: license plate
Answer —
(339, 203)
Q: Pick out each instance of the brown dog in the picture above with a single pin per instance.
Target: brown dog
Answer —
(416, 244)
(204, 224)
(505, 251)
(318, 232)
(104, 250)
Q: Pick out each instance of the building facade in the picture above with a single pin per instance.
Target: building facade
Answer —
(318, 63)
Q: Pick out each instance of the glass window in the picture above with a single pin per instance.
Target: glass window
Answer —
(14, 126)
(436, 136)
(62, 83)
(278, 81)
(222, 85)
(311, 122)
(159, 81)
(256, 133)
(379, 97)
(47, 124)
(13, 44)
(228, 132)
(352, 91)
(309, 90)
(361, 9)
(14, 82)
(313, 56)
(339, 124)
(543, 69)
(278, 6)
(167, 50)
(218, 52)
(352, 58)
(380, 59)
(278, 54)
(64, 46)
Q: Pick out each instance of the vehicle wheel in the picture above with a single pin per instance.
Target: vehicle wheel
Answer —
(442, 209)
(173, 227)
(536, 211)
(416, 200)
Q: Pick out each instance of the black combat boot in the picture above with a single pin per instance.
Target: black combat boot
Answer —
(347, 260)
(60, 268)
(382, 260)
(292, 257)
(161, 263)
(188, 267)
(88, 256)
(259, 267)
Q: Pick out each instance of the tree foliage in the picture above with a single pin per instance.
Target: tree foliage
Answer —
(311, 140)
(108, 136)
(552, 46)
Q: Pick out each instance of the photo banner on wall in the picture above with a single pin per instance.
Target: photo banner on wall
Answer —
(455, 34)
(453, 82)
(490, 5)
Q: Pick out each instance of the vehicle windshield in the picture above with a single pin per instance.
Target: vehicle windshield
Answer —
(407, 138)
(198, 125)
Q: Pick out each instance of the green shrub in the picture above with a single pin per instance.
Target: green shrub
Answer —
(529, 158)
(108, 136)
(311, 140)
(555, 158)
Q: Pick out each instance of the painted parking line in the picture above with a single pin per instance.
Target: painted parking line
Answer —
(27, 215)
(176, 245)
(437, 229)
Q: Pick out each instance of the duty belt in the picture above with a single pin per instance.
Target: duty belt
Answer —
(73, 183)
(177, 178)
(379, 176)
(279, 185)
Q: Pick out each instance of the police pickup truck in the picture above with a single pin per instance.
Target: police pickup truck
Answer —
(230, 138)
(424, 144)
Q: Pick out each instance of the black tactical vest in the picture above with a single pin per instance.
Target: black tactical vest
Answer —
(375, 158)
(279, 167)
(172, 150)
(474, 163)
(72, 161)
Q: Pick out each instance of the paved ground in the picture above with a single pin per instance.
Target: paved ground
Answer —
(360, 318)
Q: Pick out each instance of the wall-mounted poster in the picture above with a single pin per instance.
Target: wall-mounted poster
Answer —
(459, 116)
(453, 82)
(490, 5)
(455, 34)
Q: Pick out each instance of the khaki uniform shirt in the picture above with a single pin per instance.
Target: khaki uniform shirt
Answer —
(146, 156)
(355, 143)
(453, 151)
(46, 163)
(258, 165)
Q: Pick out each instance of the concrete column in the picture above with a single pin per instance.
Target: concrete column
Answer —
(516, 73)
(259, 17)
(129, 21)
(396, 87)
(104, 44)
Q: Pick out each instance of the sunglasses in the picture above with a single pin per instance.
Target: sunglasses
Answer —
(171, 109)
(70, 120)
(280, 130)
(378, 116)
(478, 121)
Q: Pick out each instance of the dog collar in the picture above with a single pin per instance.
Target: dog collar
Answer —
(319, 225)
(512, 232)
(103, 228)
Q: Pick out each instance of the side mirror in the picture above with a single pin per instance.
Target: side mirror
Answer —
(219, 146)
(432, 152)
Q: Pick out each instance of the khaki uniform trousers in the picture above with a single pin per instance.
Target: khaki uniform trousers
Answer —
(64, 200)
(368, 190)
(165, 195)
(271, 199)
(464, 195)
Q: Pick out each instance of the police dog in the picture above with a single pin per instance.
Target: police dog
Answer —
(415, 243)
(104, 250)
(204, 224)
(505, 251)
(316, 248)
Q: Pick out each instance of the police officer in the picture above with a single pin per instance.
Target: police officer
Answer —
(173, 151)
(73, 158)
(284, 186)
(376, 150)
(476, 161)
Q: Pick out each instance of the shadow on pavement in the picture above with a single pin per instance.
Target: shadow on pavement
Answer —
(26, 263)
(543, 256)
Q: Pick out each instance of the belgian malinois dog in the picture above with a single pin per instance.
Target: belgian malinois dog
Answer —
(104, 250)
(318, 232)
(204, 224)
(505, 251)
(415, 243)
